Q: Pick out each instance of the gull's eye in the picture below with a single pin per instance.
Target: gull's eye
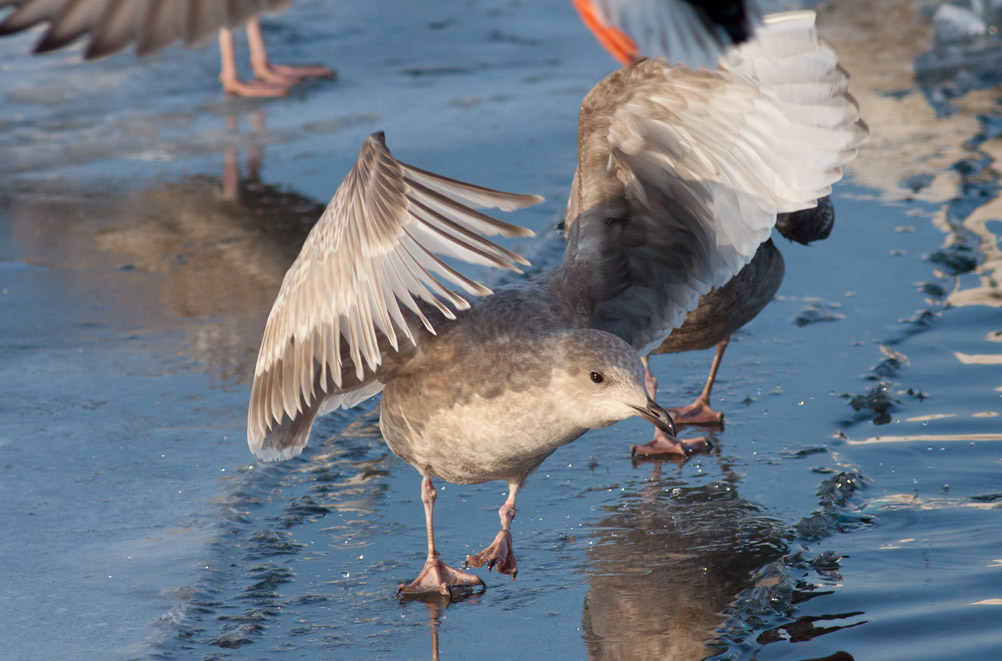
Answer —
(596, 377)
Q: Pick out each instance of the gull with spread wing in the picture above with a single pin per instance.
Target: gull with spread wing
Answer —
(702, 164)
(791, 63)
(109, 26)
(694, 32)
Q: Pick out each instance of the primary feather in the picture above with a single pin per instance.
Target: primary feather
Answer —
(681, 173)
(359, 290)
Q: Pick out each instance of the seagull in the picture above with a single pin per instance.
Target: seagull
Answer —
(153, 25)
(697, 168)
(691, 32)
(695, 32)
(723, 311)
(601, 128)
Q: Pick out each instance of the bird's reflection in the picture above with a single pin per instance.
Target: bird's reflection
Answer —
(925, 157)
(218, 247)
(436, 606)
(235, 186)
(666, 561)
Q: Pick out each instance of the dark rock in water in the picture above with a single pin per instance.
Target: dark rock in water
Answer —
(827, 565)
(773, 592)
(817, 313)
(804, 452)
(956, 259)
(826, 560)
(987, 497)
(921, 318)
(877, 399)
(893, 361)
(836, 491)
(933, 289)
(837, 656)
(917, 182)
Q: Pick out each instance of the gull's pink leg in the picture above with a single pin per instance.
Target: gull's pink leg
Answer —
(700, 412)
(277, 73)
(231, 81)
(436, 575)
(662, 443)
(499, 554)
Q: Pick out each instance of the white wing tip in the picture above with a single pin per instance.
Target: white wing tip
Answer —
(521, 202)
(270, 454)
(791, 16)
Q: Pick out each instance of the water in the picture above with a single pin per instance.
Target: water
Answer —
(851, 504)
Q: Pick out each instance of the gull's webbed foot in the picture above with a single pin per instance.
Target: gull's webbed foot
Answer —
(438, 577)
(698, 413)
(297, 73)
(663, 444)
(255, 88)
(498, 555)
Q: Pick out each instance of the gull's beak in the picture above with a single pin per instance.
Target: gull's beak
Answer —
(657, 416)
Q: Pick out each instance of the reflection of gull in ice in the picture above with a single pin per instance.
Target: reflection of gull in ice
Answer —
(981, 221)
(912, 152)
(486, 392)
(664, 567)
(217, 250)
(906, 137)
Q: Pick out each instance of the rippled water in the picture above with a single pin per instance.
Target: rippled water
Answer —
(851, 507)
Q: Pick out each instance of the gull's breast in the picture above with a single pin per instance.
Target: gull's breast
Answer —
(497, 435)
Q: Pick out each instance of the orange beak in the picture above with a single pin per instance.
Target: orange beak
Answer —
(617, 42)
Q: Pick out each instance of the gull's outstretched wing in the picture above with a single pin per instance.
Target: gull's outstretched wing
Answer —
(111, 25)
(681, 173)
(691, 32)
(353, 303)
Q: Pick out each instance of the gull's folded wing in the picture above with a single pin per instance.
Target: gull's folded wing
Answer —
(353, 302)
(111, 25)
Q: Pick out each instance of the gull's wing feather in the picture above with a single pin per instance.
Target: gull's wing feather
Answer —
(681, 174)
(691, 32)
(112, 25)
(353, 304)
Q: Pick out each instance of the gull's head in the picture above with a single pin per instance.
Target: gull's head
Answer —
(601, 382)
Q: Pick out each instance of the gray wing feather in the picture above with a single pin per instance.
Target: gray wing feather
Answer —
(681, 173)
(364, 287)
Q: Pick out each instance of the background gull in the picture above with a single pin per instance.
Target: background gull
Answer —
(691, 32)
(488, 391)
(109, 26)
(612, 144)
(724, 310)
